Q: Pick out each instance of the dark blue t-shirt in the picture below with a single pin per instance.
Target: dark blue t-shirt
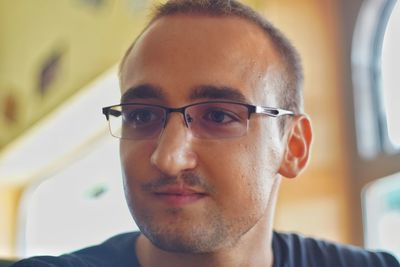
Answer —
(290, 250)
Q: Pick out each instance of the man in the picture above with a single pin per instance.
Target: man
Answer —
(211, 117)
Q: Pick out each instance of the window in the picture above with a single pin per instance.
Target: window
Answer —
(374, 56)
(390, 76)
(381, 205)
(80, 205)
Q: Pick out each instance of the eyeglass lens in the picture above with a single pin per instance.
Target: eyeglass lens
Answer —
(205, 120)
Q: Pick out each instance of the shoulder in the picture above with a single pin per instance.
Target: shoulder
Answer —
(116, 251)
(296, 250)
(50, 261)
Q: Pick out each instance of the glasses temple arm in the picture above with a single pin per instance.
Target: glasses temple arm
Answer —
(273, 112)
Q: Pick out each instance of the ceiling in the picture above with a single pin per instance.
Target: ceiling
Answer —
(51, 49)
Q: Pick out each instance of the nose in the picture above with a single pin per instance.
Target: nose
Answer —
(174, 150)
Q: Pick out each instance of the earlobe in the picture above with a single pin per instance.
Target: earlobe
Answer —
(297, 149)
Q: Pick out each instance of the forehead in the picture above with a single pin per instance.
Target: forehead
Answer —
(179, 54)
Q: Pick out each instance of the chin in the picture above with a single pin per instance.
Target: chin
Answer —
(189, 237)
(188, 243)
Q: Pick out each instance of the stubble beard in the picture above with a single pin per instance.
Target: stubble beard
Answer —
(207, 234)
(187, 235)
(180, 229)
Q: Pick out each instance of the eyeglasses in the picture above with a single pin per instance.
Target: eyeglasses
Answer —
(206, 120)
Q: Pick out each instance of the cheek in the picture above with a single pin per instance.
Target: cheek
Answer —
(135, 160)
(243, 173)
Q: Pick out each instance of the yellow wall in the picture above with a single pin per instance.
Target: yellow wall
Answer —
(9, 199)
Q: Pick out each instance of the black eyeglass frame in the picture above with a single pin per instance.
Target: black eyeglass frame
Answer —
(269, 111)
(272, 112)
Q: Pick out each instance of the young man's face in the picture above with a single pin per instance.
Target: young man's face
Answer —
(189, 194)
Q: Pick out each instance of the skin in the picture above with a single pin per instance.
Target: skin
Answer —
(231, 224)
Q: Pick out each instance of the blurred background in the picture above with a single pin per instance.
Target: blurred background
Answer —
(60, 180)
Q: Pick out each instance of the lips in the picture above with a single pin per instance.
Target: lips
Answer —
(178, 195)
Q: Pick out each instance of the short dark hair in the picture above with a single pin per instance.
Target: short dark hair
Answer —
(291, 94)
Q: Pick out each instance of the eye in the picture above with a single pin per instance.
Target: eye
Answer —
(220, 116)
(140, 116)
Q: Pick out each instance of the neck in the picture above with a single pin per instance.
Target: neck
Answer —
(254, 248)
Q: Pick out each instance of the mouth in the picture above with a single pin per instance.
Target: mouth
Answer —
(178, 195)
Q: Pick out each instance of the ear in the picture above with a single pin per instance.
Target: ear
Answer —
(297, 149)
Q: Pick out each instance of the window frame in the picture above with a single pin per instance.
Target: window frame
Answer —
(369, 107)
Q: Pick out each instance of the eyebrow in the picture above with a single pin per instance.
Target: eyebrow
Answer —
(146, 91)
(217, 92)
(142, 91)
